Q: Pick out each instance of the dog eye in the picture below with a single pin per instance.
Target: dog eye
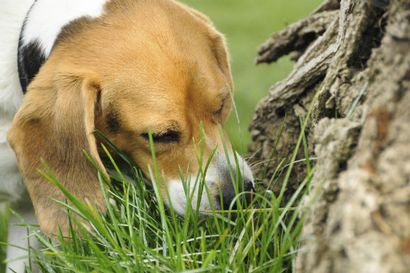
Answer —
(219, 111)
(166, 137)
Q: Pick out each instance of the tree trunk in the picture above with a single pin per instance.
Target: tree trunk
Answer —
(352, 77)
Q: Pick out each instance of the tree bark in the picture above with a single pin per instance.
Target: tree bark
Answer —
(352, 75)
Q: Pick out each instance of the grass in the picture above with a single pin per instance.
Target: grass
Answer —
(4, 216)
(140, 234)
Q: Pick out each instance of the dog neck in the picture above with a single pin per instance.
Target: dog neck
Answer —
(43, 24)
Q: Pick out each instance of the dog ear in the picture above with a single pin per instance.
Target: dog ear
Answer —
(220, 51)
(218, 44)
(56, 123)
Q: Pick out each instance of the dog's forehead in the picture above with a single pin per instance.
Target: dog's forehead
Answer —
(141, 103)
(170, 87)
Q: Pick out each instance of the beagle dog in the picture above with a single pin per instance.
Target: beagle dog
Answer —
(125, 68)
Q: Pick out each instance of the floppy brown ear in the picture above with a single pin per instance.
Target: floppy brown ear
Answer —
(218, 44)
(56, 123)
(220, 51)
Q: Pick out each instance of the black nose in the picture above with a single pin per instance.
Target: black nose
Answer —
(228, 200)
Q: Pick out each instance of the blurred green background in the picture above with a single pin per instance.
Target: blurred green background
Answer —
(246, 24)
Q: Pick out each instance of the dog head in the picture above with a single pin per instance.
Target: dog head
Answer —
(143, 67)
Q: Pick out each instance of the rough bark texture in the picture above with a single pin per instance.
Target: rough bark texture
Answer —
(353, 73)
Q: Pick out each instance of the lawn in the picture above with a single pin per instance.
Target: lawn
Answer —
(140, 234)
(246, 24)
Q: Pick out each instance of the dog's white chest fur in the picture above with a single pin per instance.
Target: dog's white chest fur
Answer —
(43, 22)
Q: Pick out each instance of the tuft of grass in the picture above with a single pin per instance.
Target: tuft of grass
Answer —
(140, 234)
(4, 220)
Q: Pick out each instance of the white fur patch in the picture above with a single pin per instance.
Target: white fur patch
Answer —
(198, 193)
(48, 17)
(17, 254)
(12, 14)
(209, 198)
(243, 167)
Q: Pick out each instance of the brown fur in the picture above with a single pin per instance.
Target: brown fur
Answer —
(144, 65)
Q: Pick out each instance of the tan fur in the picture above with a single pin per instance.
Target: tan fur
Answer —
(153, 64)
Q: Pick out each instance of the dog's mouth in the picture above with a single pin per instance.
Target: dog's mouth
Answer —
(208, 200)
(219, 190)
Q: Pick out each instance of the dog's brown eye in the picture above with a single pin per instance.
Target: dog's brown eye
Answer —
(219, 111)
(166, 137)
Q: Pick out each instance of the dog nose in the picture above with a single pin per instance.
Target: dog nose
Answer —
(245, 192)
(249, 188)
